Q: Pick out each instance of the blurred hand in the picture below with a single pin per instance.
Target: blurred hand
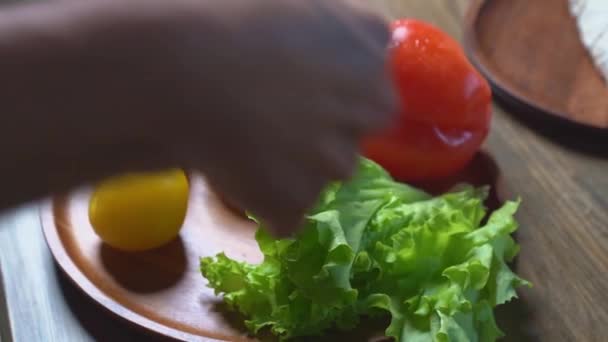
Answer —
(268, 98)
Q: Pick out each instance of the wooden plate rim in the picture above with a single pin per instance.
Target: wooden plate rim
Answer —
(47, 215)
(508, 93)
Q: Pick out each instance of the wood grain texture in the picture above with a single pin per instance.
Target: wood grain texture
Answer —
(532, 53)
(161, 290)
(564, 234)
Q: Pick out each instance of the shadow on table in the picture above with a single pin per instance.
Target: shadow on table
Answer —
(147, 271)
(481, 171)
(100, 324)
(515, 319)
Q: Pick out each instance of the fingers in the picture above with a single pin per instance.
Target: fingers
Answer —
(361, 99)
(384, 105)
(292, 205)
(370, 28)
(278, 191)
(283, 207)
(337, 157)
(378, 88)
(330, 88)
(368, 118)
(296, 187)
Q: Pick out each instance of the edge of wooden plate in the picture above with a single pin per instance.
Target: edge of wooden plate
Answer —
(510, 95)
(49, 227)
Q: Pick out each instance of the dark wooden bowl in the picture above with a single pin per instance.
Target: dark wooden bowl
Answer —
(532, 54)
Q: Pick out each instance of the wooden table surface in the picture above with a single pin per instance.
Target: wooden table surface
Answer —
(563, 235)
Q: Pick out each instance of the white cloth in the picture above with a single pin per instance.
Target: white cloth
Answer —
(592, 20)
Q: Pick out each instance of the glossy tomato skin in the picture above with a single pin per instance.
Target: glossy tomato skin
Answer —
(437, 84)
(446, 106)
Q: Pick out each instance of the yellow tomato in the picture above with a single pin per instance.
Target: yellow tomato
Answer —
(140, 211)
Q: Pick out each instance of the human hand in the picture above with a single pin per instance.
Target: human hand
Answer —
(299, 85)
(269, 99)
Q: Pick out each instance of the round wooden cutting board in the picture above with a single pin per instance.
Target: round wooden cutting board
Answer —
(532, 54)
(162, 291)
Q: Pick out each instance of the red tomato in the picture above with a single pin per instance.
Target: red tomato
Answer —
(446, 110)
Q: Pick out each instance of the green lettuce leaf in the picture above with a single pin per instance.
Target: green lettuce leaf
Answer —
(374, 246)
